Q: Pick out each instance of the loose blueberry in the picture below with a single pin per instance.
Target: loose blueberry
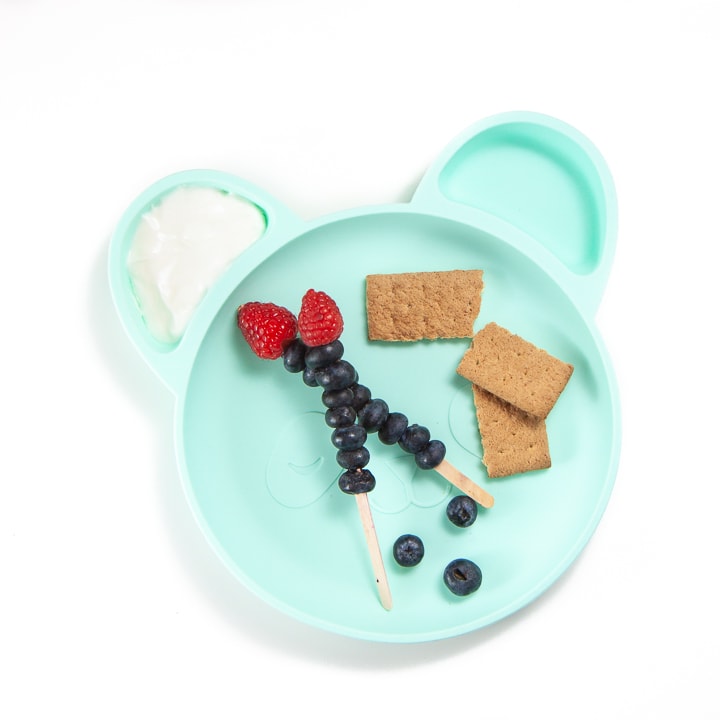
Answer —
(414, 439)
(336, 376)
(294, 356)
(361, 395)
(350, 437)
(373, 414)
(431, 455)
(393, 428)
(462, 577)
(308, 377)
(323, 355)
(408, 550)
(340, 416)
(354, 482)
(336, 398)
(462, 511)
(353, 459)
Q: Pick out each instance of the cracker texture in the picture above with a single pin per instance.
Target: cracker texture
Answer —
(515, 370)
(513, 441)
(423, 305)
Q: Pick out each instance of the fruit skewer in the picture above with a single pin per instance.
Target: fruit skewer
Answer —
(322, 365)
(270, 331)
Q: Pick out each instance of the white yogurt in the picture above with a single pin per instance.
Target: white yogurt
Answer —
(181, 247)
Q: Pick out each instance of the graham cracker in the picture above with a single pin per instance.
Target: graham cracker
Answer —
(423, 305)
(515, 370)
(513, 441)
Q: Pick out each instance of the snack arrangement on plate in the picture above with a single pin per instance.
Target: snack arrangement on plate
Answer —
(456, 327)
(410, 307)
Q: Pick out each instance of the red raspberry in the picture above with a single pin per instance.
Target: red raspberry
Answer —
(268, 328)
(319, 319)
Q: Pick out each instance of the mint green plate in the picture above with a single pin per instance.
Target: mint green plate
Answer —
(521, 196)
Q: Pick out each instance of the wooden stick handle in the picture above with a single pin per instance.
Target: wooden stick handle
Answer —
(465, 484)
(374, 548)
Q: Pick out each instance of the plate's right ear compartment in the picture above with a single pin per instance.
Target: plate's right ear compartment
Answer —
(544, 178)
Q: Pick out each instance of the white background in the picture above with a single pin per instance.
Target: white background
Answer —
(112, 604)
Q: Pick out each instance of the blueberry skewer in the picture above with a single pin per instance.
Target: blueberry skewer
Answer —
(323, 366)
(271, 332)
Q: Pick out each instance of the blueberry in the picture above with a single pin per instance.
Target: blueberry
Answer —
(322, 355)
(308, 377)
(336, 398)
(414, 439)
(431, 455)
(336, 376)
(353, 459)
(354, 482)
(361, 395)
(408, 550)
(340, 416)
(462, 511)
(393, 428)
(373, 414)
(294, 356)
(462, 577)
(350, 437)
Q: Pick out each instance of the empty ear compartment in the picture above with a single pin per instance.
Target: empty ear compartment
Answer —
(541, 176)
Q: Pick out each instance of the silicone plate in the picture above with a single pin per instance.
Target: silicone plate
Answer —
(521, 196)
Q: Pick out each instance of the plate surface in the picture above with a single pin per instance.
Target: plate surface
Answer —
(255, 454)
(261, 468)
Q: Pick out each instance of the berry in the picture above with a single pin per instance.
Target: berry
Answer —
(294, 356)
(373, 414)
(267, 328)
(431, 455)
(336, 398)
(462, 576)
(414, 439)
(319, 319)
(408, 550)
(393, 428)
(322, 355)
(462, 511)
(340, 374)
(350, 437)
(354, 482)
(361, 395)
(308, 377)
(340, 416)
(353, 459)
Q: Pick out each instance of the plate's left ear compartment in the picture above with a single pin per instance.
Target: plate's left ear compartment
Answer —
(172, 245)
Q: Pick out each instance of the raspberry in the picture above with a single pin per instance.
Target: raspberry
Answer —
(319, 320)
(268, 328)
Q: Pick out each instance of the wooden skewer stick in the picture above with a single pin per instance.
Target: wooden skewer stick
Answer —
(465, 484)
(374, 548)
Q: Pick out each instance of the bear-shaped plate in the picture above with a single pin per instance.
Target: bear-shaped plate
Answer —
(521, 196)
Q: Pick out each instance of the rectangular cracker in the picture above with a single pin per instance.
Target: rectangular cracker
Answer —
(513, 441)
(515, 370)
(423, 305)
